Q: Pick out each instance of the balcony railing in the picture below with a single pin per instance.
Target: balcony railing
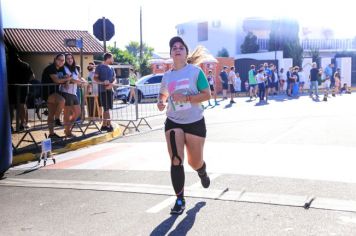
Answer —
(320, 44)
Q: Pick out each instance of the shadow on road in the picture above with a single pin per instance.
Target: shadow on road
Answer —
(183, 227)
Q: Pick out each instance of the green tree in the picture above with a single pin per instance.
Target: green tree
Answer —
(250, 44)
(223, 53)
(131, 55)
(134, 49)
(284, 36)
(315, 54)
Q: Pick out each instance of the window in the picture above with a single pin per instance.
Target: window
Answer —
(203, 31)
(154, 80)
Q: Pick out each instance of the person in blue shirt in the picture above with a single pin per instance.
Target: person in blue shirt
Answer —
(328, 72)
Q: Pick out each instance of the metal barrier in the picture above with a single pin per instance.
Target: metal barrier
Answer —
(25, 124)
(135, 108)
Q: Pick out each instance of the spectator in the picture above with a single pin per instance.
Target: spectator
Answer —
(337, 79)
(132, 80)
(237, 82)
(93, 86)
(328, 72)
(302, 80)
(69, 93)
(232, 77)
(211, 80)
(314, 73)
(54, 73)
(106, 77)
(290, 81)
(260, 77)
(252, 81)
(282, 79)
(224, 81)
(19, 72)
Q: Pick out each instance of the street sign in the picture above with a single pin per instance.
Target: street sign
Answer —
(103, 26)
(78, 43)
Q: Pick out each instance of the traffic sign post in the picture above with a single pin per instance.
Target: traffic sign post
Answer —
(103, 30)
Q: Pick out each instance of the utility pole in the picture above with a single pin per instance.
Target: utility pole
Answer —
(141, 46)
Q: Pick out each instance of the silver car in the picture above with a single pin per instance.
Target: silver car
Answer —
(147, 87)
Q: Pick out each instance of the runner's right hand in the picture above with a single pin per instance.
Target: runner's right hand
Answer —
(161, 105)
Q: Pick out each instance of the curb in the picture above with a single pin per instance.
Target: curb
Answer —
(27, 157)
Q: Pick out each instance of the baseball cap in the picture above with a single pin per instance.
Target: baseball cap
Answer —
(177, 39)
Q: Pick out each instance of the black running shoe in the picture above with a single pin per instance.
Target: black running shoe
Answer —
(104, 128)
(179, 207)
(110, 128)
(205, 180)
(57, 122)
(54, 136)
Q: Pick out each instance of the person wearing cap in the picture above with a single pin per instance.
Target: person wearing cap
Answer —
(182, 91)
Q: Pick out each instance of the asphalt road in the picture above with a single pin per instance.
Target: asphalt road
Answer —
(266, 162)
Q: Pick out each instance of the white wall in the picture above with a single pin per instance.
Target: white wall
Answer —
(344, 64)
(224, 36)
(307, 65)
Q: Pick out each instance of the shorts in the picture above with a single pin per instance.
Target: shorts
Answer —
(197, 128)
(301, 83)
(212, 88)
(225, 86)
(70, 99)
(252, 86)
(232, 89)
(106, 100)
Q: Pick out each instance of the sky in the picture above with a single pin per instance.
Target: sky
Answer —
(161, 16)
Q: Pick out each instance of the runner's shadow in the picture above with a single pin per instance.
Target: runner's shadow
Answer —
(228, 106)
(183, 227)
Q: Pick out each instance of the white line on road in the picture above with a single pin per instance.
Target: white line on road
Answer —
(160, 206)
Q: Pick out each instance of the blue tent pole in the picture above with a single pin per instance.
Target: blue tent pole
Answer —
(5, 130)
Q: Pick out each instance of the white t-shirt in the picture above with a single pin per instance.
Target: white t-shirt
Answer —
(232, 77)
(70, 88)
(260, 78)
(302, 77)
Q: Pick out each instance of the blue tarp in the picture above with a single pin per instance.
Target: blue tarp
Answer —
(5, 130)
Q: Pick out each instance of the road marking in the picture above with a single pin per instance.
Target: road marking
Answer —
(193, 192)
(165, 203)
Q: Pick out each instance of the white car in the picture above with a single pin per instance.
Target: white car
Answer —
(147, 87)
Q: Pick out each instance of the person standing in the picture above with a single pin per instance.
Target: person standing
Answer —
(224, 81)
(106, 77)
(132, 80)
(69, 93)
(314, 74)
(184, 88)
(337, 78)
(54, 75)
(231, 81)
(211, 80)
(328, 72)
(282, 79)
(19, 72)
(302, 80)
(260, 77)
(252, 81)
